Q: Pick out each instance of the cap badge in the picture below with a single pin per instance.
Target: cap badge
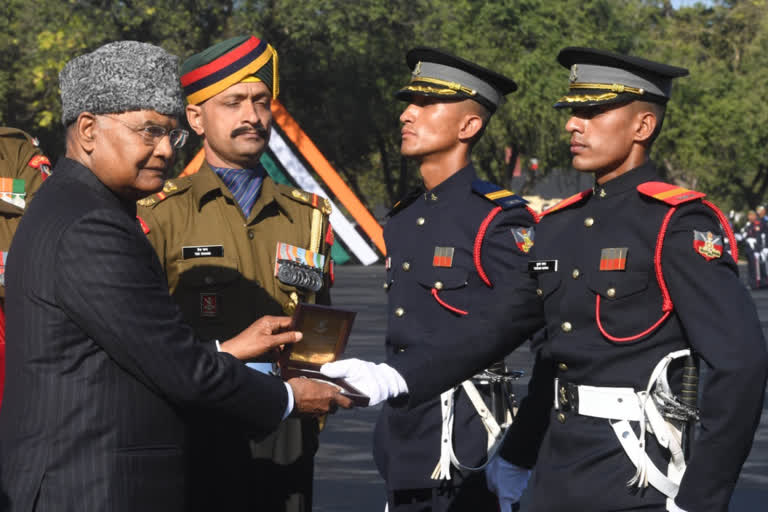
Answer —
(707, 244)
(574, 73)
(417, 69)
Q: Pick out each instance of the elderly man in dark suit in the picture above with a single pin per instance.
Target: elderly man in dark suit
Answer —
(101, 368)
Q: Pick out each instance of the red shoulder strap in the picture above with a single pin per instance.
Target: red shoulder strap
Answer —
(667, 193)
(568, 202)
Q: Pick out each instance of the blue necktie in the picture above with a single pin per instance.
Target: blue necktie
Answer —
(245, 185)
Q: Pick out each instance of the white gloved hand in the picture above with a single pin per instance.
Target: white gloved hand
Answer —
(672, 507)
(506, 480)
(378, 381)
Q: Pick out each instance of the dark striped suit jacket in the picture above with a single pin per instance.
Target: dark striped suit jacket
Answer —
(101, 368)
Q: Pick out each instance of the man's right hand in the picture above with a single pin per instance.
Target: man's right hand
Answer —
(315, 398)
(260, 337)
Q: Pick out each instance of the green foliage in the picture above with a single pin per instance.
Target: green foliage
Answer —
(341, 62)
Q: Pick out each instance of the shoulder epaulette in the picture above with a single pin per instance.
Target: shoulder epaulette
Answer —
(497, 195)
(6, 131)
(302, 196)
(667, 193)
(171, 188)
(408, 199)
(575, 198)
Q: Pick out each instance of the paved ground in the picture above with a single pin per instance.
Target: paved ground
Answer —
(346, 479)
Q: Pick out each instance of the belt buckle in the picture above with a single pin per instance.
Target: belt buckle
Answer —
(568, 397)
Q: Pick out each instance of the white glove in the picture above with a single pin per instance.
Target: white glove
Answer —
(506, 480)
(378, 381)
(672, 507)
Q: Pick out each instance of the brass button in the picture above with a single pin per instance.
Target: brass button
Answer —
(399, 312)
(399, 349)
(575, 273)
(561, 417)
(385, 285)
(420, 221)
(250, 234)
(589, 221)
(432, 197)
(611, 292)
(406, 266)
(539, 292)
(566, 326)
(562, 367)
(438, 285)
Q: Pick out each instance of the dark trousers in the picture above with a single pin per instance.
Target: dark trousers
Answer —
(231, 473)
(471, 496)
(282, 467)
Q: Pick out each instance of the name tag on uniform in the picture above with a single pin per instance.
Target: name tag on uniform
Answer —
(202, 251)
(541, 266)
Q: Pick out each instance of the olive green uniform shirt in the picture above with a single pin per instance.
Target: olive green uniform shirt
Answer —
(20, 158)
(225, 278)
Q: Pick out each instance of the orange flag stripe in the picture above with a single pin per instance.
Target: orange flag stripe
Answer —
(325, 170)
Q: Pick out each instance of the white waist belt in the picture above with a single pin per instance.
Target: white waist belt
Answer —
(622, 405)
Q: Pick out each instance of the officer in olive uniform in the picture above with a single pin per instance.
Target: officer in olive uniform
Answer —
(235, 246)
(635, 280)
(23, 168)
(454, 248)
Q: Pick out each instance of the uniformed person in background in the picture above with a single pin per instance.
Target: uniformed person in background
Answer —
(634, 276)
(236, 246)
(23, 167)
(753, 234)
(455, 247)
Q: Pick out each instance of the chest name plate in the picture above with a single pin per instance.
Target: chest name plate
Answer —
(202, 251)
(541, 266)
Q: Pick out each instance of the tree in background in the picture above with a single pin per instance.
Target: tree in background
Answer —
(342, 61)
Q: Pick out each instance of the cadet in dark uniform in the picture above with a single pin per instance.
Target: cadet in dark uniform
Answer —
(753, 235)
(634, 275)
(236, 246)
(23, 168)
(637, 290)
(453, 248)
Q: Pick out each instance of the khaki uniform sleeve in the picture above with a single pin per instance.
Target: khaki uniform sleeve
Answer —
(324, 295)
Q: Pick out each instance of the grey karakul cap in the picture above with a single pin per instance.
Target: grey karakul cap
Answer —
(122, 76)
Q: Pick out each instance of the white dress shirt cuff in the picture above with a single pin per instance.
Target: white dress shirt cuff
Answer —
(289, 406)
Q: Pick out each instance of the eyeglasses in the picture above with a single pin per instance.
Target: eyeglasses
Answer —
(152, 134)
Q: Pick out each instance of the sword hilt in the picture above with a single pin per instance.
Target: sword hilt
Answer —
(689, 394)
